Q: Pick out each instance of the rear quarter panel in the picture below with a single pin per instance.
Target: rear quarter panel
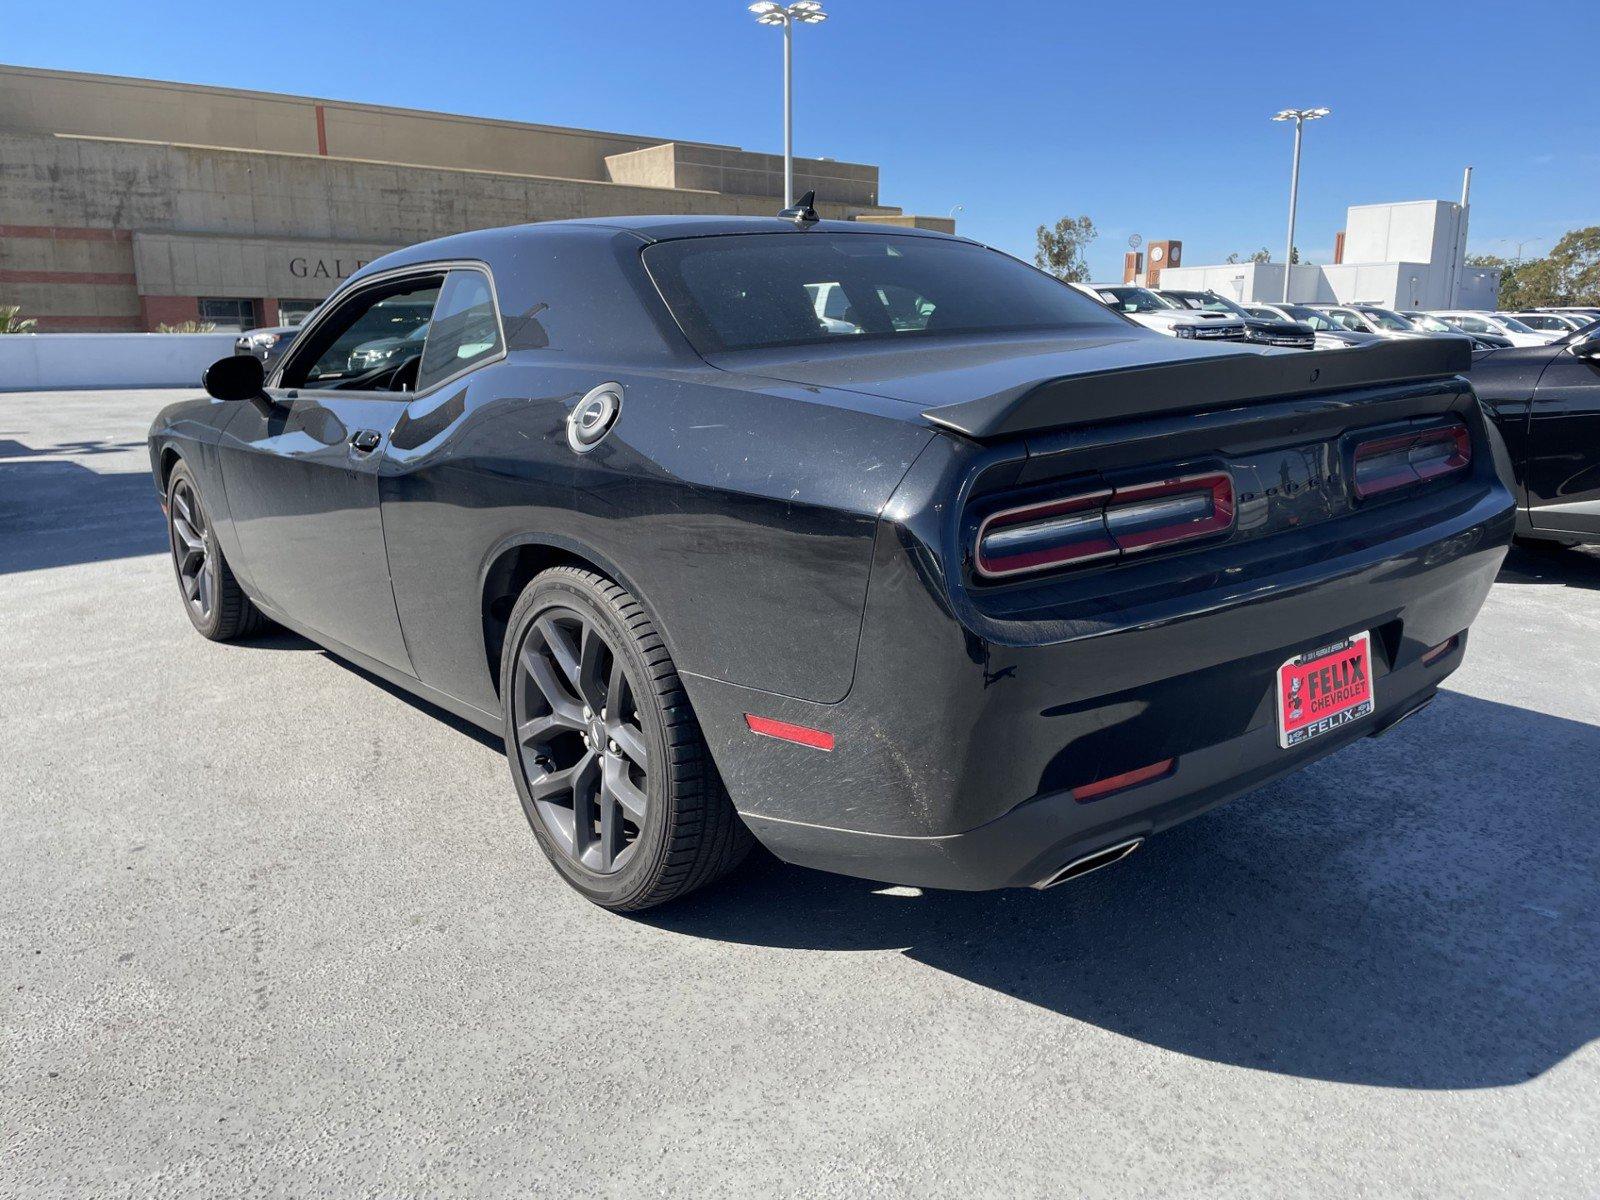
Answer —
(743, 519)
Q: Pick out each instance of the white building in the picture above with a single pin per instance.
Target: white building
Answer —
(1410, 255)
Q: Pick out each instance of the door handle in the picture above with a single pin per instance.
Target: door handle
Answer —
(365, 441)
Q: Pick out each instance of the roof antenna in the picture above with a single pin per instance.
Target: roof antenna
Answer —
(801, 213)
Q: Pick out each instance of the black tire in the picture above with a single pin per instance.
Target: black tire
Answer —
(216, 604)
(688, 834)
(1545, 545)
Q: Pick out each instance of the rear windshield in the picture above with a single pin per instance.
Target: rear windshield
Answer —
(757, 291)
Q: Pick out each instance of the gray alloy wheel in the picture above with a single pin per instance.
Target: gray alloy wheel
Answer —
(582, 749)
(215, 603)
(197, 569)
(607, 757)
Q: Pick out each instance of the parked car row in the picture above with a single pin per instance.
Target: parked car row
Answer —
(1323, 326)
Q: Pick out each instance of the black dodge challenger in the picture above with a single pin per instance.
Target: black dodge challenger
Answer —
(1545, 401)
(875, 545)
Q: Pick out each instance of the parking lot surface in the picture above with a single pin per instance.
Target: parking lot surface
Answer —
(270, 928)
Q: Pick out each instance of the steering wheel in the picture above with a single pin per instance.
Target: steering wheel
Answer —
(404, 377)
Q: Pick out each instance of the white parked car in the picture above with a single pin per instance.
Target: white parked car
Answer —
(1369, 318)
(1330, 334)
(1558, 323)
(1164, 316)
(1500, 323)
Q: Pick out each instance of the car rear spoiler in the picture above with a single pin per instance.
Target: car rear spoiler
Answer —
(1091, 399)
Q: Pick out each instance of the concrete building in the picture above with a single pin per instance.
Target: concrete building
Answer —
(129, 203)
(1410, 255)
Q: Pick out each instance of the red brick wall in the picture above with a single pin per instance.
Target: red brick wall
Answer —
(168, 310)
(59, 324)
(267, 311)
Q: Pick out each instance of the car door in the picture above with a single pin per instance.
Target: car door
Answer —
(1562, 466)
(301, 472)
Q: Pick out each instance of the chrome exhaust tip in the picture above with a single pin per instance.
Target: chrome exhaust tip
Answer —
(1079, 867)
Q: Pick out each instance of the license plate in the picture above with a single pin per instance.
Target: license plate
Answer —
(1324, 689)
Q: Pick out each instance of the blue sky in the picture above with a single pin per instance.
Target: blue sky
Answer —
(1150, 118)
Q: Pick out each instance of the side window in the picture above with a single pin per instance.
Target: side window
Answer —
(1348, 320)
(370, 341)
(465, 329)
(1474, 325)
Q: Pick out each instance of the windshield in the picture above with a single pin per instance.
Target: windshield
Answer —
(1514, 325)
(763, 290)
(1210, 302)
(1313, 318)
(1384, 319)
(1432, 324)
(1135, 300)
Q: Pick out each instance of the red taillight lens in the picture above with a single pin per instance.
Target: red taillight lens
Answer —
(1174, 510)
(1049, 534)
(1103, 524)
(1392, 461)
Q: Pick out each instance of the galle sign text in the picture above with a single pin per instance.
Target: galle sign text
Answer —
(322, 268)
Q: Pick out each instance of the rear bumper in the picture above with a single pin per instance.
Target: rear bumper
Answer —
(971, 719)
(1036, 839)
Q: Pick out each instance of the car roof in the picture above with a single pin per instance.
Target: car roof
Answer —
(511, 239)
(667, 227)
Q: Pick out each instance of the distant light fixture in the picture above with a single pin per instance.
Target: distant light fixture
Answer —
(801, 12)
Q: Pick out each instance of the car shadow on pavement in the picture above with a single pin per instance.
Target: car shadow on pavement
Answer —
(1417, 911)
(57, 513)
(1569, 567)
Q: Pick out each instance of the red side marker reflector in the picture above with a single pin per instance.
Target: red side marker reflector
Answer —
(783, 731)
(1128, 779)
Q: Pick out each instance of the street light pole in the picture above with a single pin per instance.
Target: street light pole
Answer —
(801, 12)
(788, 113)
(1299, 116)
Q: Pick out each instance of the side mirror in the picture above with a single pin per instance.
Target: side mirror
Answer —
(1587, 346)
(237, 377)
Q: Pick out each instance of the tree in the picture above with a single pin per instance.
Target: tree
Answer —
(11, 320)
(187, 327)
(1262, 255)
(1575, 266)
(1063, 250)
(1568, 275)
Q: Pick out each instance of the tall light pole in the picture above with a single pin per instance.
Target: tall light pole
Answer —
(801, 12)
(1522, 243)
(1299, 116)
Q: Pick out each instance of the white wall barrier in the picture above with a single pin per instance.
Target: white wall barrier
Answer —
(47, 361)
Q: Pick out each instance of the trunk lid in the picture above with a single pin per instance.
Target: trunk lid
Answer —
(992, 388)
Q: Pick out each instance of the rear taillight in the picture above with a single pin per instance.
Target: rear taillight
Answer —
(1395, 460)
(1103, 524)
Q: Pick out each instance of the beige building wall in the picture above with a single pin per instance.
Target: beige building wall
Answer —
(125, 202)
(37, 101)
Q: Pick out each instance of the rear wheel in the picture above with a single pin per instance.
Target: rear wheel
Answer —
(216, 604)
(608, 759)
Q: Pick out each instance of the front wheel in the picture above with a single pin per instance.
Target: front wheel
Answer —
(216, 604)
(608, 759)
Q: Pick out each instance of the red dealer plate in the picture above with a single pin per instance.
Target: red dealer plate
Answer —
(1324, 689)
